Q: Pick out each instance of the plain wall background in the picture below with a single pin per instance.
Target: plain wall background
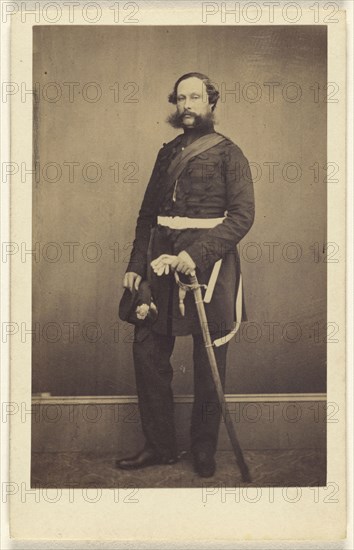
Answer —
(107, 132)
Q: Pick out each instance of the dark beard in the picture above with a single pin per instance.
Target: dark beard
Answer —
(200, 122)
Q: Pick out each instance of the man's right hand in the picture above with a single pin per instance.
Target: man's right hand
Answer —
(131, 280)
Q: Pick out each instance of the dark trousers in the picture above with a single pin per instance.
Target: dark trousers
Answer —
(154, 373)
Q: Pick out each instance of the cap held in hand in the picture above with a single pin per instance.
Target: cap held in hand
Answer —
(137, 307)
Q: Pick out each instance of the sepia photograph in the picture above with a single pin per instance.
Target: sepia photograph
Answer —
(176, 255)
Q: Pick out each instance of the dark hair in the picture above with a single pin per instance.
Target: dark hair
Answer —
(213, 94)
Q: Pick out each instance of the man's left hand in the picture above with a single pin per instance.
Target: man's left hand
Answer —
(182, 263)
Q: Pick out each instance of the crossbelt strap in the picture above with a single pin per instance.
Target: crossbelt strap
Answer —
(180, 222)
(195, 148)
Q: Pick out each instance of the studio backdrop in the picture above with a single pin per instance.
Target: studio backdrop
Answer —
(99, 120)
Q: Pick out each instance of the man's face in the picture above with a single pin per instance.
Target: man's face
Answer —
(192, 99)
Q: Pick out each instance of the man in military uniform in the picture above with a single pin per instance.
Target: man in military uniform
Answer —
(198, 205)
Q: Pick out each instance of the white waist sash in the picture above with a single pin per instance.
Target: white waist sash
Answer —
(180, 222)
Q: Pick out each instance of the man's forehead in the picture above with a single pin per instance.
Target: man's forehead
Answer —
(192, 84)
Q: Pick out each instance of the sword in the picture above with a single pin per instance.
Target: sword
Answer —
(195, 287)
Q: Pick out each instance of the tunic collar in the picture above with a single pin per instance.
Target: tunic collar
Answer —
(192, 134)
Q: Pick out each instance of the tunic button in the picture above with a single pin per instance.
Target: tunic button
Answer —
(182, 148)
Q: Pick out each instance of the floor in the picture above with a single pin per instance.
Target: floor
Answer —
(301, 467)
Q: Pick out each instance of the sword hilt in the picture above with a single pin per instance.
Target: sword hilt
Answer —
(193, 285)
(184, 287)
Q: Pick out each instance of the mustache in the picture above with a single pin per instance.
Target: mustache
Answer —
(176, 120)
(187, 113)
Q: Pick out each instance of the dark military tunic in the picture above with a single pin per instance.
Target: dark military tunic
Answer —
(214, 184)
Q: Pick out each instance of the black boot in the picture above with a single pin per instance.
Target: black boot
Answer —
(146, 457)
(204, 463)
